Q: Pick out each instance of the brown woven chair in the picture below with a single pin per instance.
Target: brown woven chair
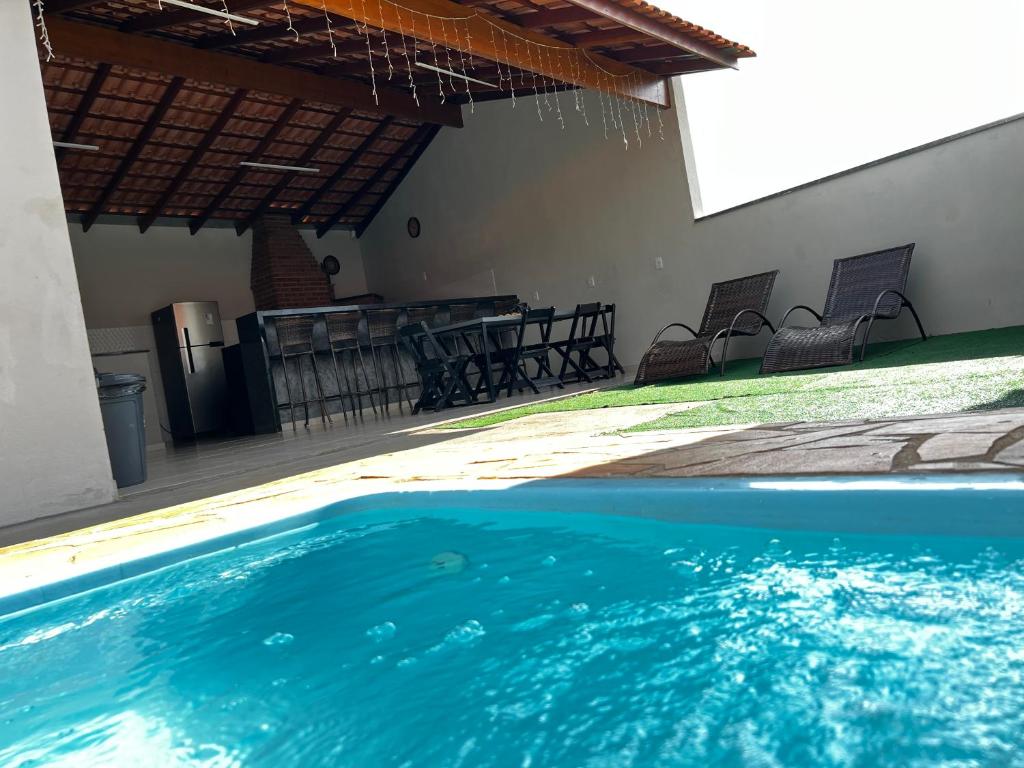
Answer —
(735, 308)
(863, 289)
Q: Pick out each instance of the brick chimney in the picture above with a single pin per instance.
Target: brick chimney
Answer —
(284, 273)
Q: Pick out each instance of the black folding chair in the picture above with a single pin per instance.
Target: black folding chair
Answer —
(501, 350)
(442, 374)
(539, 352)
(580, 342)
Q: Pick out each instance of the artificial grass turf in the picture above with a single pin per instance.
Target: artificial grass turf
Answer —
(980, 370)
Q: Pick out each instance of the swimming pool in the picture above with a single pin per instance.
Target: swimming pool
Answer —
(832, 623)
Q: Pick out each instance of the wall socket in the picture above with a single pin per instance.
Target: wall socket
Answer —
(424, 277)
(592, 282)
(659, 263)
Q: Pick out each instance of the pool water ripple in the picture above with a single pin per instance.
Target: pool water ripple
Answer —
(548, 640)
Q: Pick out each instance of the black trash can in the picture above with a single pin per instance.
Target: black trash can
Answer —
(125, 425)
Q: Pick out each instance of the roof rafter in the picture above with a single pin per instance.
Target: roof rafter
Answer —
(84, 107)
(367, 185)
(259, 34)
(93, 43)
(287, 114)
(230, 108)
(368, 219)
(568, 15)
(342, 169)
(318, 51)
(305, 158)
(147, 22)
(640, 23)
(157, 115)
(481, 41)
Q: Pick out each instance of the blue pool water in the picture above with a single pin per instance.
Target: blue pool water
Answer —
(445, 639)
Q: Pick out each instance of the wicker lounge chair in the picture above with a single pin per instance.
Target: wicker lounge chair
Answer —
(735, 308)
(862, 289)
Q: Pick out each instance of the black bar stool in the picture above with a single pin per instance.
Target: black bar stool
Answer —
(382, 328)
(343, 337)
(295, 342)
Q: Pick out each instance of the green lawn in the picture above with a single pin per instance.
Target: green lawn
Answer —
(965, 371)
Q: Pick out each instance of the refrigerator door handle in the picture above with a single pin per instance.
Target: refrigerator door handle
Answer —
(188, 352)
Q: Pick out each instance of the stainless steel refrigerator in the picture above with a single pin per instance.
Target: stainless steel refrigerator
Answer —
(189, 340)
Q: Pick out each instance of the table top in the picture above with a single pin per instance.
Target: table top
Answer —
(500, 321)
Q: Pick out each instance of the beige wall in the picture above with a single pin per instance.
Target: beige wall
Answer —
(547, 209)
(53, 455)
(124, 275)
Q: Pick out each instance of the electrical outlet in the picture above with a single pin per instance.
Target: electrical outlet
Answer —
(424, 277)
(659, 263)
(536, 295)
(592, 282)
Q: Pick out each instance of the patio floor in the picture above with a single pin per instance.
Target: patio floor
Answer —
(577, 444)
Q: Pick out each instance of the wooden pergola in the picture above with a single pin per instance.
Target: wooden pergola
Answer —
(178, 104)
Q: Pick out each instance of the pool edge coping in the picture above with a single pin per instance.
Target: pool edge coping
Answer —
(596, 492)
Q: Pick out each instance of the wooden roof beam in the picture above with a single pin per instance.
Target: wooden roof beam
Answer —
(304, 159)
(638, 22)
(63, 6)
(84, 107)
(479, 28)
(368, 219)
(147, 22)
(229, 111)
(367, 185)
(649, 53)
(606, 37)
(540, 19)
(341, 170)
(261, 34)
(196, 223)
(155, 118)
(93, 43)
(319, 51)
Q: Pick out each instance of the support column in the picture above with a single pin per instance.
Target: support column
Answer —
(53, 455)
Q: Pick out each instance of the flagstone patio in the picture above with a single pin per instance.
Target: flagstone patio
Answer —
(573, 444)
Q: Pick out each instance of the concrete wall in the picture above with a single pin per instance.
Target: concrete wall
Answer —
(547, 209)
(125, 275)
(53, 456)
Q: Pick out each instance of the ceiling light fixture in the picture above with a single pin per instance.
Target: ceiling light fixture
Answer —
(276, 167)
(212, 11)
(69, 145)
(453, 74)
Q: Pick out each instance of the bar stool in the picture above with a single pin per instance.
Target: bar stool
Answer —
(343, 336)
(416, 315)
(295, 342)
(382, 328)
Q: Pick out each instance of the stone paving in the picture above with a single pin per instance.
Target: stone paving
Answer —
(586, 444)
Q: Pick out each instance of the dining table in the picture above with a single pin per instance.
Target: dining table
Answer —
(491, 328)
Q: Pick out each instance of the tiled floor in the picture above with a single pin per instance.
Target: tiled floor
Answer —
(266, 479)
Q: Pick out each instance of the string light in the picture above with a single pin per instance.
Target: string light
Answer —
(44, 33)
(511, 83)
(330, 30)
(448, 55)
(384, 34)
(437, 64)
(564, 66)
(227, 18)
(288, 14)
(369, 54)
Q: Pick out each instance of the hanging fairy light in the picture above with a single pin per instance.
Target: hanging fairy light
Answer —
(330, 30)
(44, 33)
(288, 15)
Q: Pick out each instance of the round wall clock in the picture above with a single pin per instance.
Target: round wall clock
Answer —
(413, 225)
